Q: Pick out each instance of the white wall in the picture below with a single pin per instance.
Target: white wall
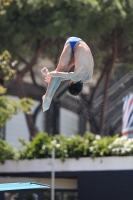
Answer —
(70, 165)
(68, 122)
(17, 127)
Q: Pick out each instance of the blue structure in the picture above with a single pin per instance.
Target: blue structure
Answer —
(22, 186)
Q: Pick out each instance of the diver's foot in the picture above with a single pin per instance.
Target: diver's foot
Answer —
(45, 103)
(45, 71)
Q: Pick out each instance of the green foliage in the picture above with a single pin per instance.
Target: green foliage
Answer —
(8, 108)
(100, 147)
(42, 144)
(88, 145)
(25, 104)
(4, 4)
(27, 22)
(6, 72)
(6, 151)
(38, 148)
(77, 146)
(2, 90)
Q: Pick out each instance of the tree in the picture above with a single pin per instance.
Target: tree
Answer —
(31, 34)
(8, 107)
(111, 21)
(6, 67)
(39, 28)
(4, 4)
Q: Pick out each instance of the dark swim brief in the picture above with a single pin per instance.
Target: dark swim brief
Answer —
(73, 41)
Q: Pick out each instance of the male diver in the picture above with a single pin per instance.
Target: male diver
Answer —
(75, 53)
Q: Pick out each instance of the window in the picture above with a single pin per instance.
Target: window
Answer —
(43, 195)
(20, 196)
(70, 196)
(62, 195)
(11, 196)
(33, 196)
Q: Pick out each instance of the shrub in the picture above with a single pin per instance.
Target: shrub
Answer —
(6, 151)
(88, 145)
(38, 148)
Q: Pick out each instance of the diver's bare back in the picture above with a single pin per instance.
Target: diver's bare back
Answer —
(84, 63)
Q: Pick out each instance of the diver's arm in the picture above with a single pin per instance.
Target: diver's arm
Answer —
(64, 75)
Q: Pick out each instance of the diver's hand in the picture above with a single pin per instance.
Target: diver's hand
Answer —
(47, 79)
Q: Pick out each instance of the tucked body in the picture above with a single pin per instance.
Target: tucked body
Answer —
(75, 53)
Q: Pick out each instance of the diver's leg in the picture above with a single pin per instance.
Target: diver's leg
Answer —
(51, 89)
(66, 60)
(65, 63)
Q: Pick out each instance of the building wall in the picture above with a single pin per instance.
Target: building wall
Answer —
(68, 122)
(107, 178)
(91, 185)
(17, 128)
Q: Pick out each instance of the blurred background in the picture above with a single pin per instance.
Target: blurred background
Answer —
(32, 36)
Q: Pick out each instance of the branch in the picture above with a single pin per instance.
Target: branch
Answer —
(22, 59)
(35, 56)
(101, 78)
(33, 79)
(21, 93)
(31, 73)
(20, 87)
(107, 82)
(99, 82)
(32, 62)
(37, 110)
